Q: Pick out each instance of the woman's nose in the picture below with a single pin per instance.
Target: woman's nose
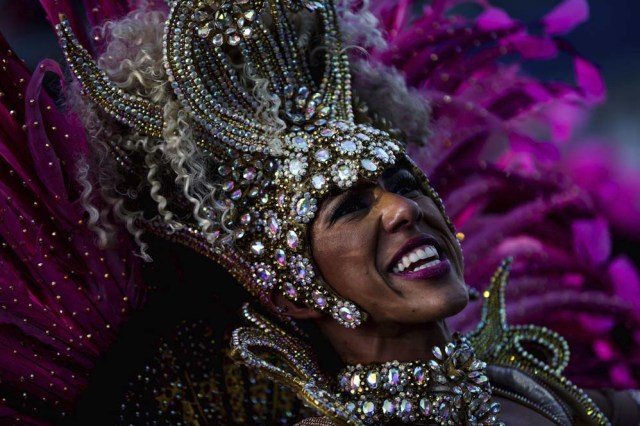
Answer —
(398, 212)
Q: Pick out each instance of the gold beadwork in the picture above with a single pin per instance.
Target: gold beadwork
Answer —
(501, 344)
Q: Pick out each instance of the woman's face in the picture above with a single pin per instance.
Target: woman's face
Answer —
(387, 248)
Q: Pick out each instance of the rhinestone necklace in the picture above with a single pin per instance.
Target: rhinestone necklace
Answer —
(451, 389)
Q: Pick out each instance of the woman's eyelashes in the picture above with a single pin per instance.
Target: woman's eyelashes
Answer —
(404, 184)
(351, 203)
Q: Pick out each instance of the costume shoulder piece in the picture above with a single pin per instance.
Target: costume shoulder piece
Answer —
(536, 351)
(268, 349)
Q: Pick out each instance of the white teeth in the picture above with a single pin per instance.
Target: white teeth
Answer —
(426, 265)
(420, 253)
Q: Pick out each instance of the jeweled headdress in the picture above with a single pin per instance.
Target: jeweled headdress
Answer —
(266, 87)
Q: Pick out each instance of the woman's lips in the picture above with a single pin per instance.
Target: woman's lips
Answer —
(431, 270)
(411, 247)
(420, 258)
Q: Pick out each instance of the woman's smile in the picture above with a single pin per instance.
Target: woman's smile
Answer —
(421, 257)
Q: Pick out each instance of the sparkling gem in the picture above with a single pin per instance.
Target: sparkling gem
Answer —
(343, 126)
(372, 379)
(245, 219)
(477, 365)
(381, 154)
(355, 381)
(264, 273)
(393, 376)
(418, 373)
(405, 406)
(327, 133)
(292, 239)
(369, 165)
(218, 39)
(257, 248)
(350, 406)
(482, 379)
(300, 143)
(236, 195)
(368, 408)
(425, 406)
(318, 181)
(281, 257)
(222, 19)
(437, 352)
(228, 185)
(388, 407)
(274, 226)
(323, 111)
(200, 16)
(449, 348)
(444, 411)
(344, 172)
(249, 174)
(362, 136)
(344, 382)
(223, 170)
(303, 206)
(250, 15)
(290, 290)
(349, 146)
(322, 155)
(204, 31)
(319, 298)
(301, 270)
(234, 39)
(246, 32)
(393, 146)
(296, 167)
(346, 314)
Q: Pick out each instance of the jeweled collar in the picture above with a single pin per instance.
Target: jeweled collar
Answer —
(452, 388)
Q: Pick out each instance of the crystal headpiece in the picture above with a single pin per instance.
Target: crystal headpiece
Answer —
(266, 85)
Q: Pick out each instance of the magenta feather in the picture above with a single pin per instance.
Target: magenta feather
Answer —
(62, 298)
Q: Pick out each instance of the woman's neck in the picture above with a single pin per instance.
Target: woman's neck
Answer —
(378, 343)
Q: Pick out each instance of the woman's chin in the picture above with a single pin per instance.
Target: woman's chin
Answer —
(451, 300)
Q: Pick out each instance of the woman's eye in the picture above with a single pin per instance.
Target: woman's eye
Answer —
(348, 206)
(406, 186)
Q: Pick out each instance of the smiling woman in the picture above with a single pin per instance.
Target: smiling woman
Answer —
(387, 247)
(243, 131)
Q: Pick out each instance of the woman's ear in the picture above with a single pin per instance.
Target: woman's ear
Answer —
(292, 309)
